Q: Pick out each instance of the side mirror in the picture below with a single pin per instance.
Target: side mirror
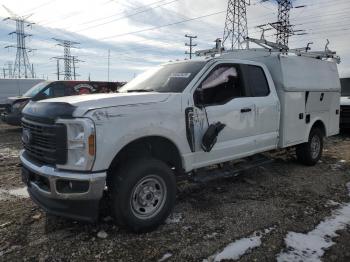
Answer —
(199, 97)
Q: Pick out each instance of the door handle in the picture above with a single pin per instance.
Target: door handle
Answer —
(246, 110)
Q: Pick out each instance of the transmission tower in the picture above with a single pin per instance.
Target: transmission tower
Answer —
(190, 45)
(236, 27)
(22, 67)
(68, 60)
(283, 27)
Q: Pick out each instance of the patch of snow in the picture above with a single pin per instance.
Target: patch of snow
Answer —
(240, 247)
(174, 218)
(311, 246)
(342, 161)
(165, 257)
(332, 203)
(17, 192)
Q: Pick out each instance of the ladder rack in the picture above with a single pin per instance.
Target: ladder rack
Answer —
(274, 47)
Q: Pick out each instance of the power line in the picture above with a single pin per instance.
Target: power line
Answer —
(162, 26)
(127, 16)
(119, 13)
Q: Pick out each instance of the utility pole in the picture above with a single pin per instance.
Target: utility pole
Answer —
(68, 59)
(109, 62)
(236, 26)
(58, 68)
(190, 45)
(7, 68)
(22, 67)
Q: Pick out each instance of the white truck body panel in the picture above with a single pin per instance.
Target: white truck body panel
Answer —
(305, 86)
(272, 123)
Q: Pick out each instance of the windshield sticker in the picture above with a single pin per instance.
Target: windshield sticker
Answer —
(180, 75)
(84, 89)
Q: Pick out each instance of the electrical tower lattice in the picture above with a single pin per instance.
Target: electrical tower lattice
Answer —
(22, 67)
(283, 26)
(236, 27)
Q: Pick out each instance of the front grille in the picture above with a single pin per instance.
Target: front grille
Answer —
(45, 143)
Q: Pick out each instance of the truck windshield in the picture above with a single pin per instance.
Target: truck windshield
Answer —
(36, 89)
(169, 78)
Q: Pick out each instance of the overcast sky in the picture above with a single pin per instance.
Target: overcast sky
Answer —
(137, 34)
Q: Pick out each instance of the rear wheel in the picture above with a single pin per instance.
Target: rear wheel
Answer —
(143, 193)
(310, 153)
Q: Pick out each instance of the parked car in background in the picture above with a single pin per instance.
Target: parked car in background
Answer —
(52, 89)
(15, 87)
(345, 103)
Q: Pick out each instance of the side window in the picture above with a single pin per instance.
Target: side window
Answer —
(55, 90)
(257, 81)
(222, 85)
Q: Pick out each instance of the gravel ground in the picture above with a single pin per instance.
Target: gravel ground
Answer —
(284, 195)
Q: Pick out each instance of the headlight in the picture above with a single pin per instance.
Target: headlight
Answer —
(80, 144)
(18, 105)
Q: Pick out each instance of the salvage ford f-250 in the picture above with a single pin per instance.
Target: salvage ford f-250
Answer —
(169, 123)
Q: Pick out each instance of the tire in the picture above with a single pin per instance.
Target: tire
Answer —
(310, 153)
(143, 194)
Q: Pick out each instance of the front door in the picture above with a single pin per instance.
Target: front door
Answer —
(224, 99)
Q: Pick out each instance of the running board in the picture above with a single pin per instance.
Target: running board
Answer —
(230, 169)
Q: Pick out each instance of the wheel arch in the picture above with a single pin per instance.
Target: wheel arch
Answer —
(318, 123)
(158, 147)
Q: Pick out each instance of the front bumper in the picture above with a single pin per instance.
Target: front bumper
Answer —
(11, 119)
(45, 188)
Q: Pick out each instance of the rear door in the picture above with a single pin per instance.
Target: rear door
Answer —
(266, 105)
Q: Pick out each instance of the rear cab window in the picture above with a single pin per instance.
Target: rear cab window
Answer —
(256, 81)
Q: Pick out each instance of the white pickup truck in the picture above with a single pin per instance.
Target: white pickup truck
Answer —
(169, 123)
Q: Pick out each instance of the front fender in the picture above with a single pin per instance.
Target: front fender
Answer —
(117, 127)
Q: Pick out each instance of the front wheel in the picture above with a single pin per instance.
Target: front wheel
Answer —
(310, 153)
(143, 193)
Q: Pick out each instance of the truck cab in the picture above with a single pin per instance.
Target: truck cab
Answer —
(169, 123)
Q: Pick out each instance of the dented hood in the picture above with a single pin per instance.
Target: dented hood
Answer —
(66, 107)
(94, 101)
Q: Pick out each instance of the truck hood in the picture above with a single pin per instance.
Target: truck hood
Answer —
(69, 106)
(15, 99)
(84, 103)
(345, 101)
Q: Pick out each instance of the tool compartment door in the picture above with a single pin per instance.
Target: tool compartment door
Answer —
(293, 123)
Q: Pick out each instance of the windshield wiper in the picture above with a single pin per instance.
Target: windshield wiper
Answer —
(140, 90)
